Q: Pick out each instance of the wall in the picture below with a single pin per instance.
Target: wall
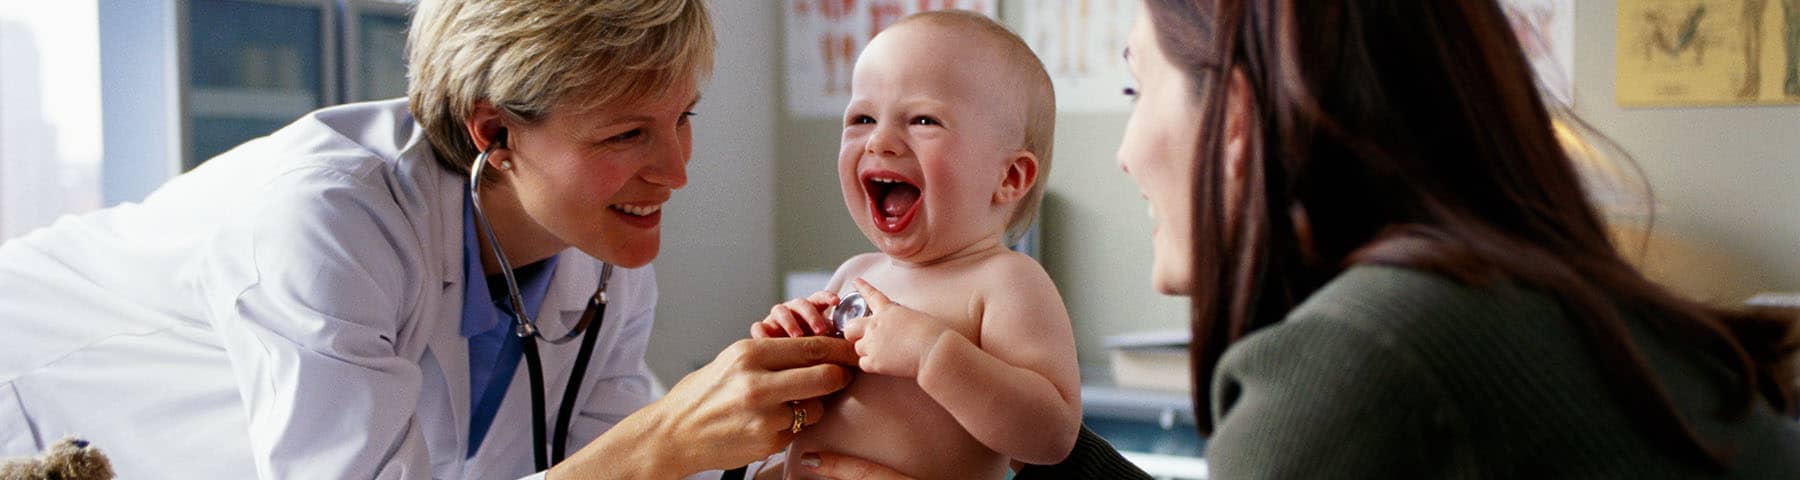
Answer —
(138, 72)
(1727, 179)
(1727, 190)
(715, 271)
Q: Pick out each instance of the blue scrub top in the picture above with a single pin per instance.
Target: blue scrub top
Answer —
(494, 351)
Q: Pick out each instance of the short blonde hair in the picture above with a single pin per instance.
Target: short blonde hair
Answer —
(1024, 68)
(527, 56)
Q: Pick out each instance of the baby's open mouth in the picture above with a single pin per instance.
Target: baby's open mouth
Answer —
(893, 200)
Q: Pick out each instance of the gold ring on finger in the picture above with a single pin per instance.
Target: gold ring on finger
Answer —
(799, 416)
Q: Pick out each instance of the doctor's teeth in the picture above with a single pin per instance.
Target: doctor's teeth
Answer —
(637, 209)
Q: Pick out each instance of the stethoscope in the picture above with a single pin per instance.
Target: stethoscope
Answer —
(849, 308)
(527, 331)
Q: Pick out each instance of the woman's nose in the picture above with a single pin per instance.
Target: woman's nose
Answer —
(668, 166)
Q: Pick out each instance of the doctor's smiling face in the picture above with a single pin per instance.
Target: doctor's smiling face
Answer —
(592, 178)
(930, 138)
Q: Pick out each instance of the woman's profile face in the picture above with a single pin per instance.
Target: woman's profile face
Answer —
(1159, 153)
(597, 178)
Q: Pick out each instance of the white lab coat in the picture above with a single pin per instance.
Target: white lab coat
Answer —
(290, 309)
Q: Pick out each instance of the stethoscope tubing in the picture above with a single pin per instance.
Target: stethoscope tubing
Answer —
(587, 328)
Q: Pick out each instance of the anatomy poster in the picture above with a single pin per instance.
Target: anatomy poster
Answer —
(1081, 43)
(825, 36)
(1546, 29)
(1708, 52)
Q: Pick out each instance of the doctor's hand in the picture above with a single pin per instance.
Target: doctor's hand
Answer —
(893, 340)
(729, 413)
(800, 317)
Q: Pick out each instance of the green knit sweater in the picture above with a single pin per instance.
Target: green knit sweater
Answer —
(1392, 373)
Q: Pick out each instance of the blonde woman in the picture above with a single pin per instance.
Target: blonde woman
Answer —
(335, 301)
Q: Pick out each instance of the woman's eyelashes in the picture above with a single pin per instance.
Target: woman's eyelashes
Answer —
(628, 136)
(638, 133)
(1130, 92)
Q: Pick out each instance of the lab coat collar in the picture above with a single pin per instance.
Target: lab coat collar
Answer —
(448, 349)
(571, 285)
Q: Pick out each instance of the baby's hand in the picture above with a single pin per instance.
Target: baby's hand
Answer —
(799, 317)
(893, 339)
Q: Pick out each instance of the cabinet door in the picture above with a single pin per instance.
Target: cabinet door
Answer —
(250, 67)
(375, 49)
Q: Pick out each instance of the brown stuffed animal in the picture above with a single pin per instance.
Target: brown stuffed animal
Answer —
(69, 459)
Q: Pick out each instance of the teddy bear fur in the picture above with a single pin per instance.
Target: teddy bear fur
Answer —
(69, 459)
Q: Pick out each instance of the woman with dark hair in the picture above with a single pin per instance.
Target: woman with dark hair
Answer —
(1396, 273)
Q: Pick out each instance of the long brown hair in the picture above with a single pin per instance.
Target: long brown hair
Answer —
(1410, 133)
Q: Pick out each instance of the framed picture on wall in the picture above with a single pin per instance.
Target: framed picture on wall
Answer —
(824, 38)
(1708, 52)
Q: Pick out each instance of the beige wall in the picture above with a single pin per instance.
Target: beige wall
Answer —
(1728, 180)
(718, 252)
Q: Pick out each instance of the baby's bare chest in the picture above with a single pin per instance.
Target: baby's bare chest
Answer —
(955, 302)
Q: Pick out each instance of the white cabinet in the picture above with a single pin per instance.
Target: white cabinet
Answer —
(374, 49)
(185, 80)
(249, 67)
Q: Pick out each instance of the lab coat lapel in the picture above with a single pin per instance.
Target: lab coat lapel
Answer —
(570, 286)
(446, 346)
(507, 451)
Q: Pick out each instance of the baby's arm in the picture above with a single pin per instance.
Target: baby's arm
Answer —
(1019, 391)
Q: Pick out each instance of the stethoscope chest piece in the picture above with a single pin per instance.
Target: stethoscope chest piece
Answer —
(848, 309)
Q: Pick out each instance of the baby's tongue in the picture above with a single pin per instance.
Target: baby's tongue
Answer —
(899, 198)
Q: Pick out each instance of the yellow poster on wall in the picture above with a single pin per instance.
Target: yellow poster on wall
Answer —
(1708, 52)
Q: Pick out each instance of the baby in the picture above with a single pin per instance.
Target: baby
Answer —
(968, 359)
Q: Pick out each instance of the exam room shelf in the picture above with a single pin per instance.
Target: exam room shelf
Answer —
(1153, 429)
(252, 103)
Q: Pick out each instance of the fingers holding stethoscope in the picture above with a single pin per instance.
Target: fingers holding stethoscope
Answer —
(799, 317)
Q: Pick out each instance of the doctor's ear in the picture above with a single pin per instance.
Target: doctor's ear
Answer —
(487, 131)
(1021, 174)
(498, 140)
(486, 127)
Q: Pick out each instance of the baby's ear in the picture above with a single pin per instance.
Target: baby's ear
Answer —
(1020, 175)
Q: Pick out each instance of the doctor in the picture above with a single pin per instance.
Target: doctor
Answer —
(324, 302)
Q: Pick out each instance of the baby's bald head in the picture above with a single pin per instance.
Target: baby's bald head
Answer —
(1024, 85)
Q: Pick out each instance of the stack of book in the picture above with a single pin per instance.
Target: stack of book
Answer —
(1154, 360)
